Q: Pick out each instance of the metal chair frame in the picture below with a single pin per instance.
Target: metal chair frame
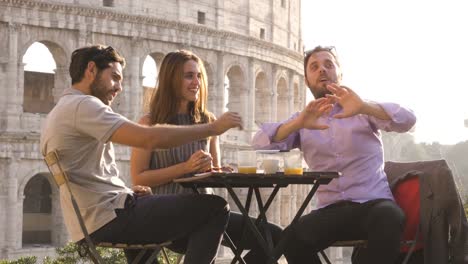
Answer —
(363, 243)
(87, 244)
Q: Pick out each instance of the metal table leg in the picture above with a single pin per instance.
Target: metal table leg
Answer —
(279, 249)
(247, 220)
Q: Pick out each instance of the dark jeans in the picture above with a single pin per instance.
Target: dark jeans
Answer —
(194, 223)
(235, 229)
(379, 221)
(256, 254)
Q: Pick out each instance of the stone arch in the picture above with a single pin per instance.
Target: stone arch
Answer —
(40, 91)
(234, 98)
(234, 89)
(297, 97)
(37, 211)
(42, 171)
(58, 237)
(59, 52)
(147, 91)
(262, 98)
(157, 56)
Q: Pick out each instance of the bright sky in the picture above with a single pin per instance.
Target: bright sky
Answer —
(412, 52)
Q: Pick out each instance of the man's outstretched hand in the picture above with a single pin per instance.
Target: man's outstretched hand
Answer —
(315, 109)
(227, 121)
(351, 103)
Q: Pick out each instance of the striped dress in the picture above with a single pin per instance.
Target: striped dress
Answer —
(163, 158)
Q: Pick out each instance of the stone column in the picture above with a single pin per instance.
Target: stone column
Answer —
(3, 204)
(248, 101)
(62, 81)
(289, 26)
(83, 35)
(274, 95)
(19, 220)
(294, 197)
(291, 93)
(276, 207)
(272, 23)
(274, 212)
(135, 87)
(249, 18)
(59, 231)
(219, 20)
(303, 90)
(286, 209)
(12, 102)
(219, 101)
(11, 203)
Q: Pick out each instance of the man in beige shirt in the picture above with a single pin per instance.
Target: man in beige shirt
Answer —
(82, 128)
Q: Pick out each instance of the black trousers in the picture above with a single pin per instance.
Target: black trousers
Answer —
(256, 254)
(236, 232)
(195, 223)
(379, 221)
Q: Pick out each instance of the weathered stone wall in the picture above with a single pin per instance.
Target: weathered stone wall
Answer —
(229, 43)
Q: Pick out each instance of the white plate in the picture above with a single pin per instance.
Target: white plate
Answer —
(268, 151)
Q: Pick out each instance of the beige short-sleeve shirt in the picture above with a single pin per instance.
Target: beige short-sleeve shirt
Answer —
(79, 128)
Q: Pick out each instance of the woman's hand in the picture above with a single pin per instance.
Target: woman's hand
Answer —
(200, 161)
(225, 169)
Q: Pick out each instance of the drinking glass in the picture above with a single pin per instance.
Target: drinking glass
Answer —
(246, 161)
(293, 163)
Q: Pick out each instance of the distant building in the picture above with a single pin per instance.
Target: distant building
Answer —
(255, 45)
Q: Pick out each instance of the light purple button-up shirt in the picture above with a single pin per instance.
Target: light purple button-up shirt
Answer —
(352, 146)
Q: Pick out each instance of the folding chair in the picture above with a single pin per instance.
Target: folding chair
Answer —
(358, 244)
(411, 242)
(88, 246)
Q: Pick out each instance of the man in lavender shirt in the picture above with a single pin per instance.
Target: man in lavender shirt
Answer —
(341, 132)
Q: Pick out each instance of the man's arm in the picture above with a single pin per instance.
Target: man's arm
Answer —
(386, 116)
(353, 104)
(167, 136)
(286, 129)
(308, 118)
(375, 110)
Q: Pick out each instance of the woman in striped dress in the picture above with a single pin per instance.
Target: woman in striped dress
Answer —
(180, 99)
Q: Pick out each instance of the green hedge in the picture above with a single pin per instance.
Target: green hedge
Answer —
(69, 255)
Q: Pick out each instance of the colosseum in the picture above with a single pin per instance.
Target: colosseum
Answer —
(252, 51)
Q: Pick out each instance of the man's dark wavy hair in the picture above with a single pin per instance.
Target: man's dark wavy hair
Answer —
(100, 54)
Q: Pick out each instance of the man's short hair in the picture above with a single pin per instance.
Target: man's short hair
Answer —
(100, 54)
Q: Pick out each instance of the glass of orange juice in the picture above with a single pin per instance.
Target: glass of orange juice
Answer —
(246, 161)
(293, 163)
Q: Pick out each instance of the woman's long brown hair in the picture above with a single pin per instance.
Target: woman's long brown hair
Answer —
(166, 97)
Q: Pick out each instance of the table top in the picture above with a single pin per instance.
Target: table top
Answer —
(234, 179)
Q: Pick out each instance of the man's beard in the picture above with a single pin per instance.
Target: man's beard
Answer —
(99, 90)
(319, 92)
